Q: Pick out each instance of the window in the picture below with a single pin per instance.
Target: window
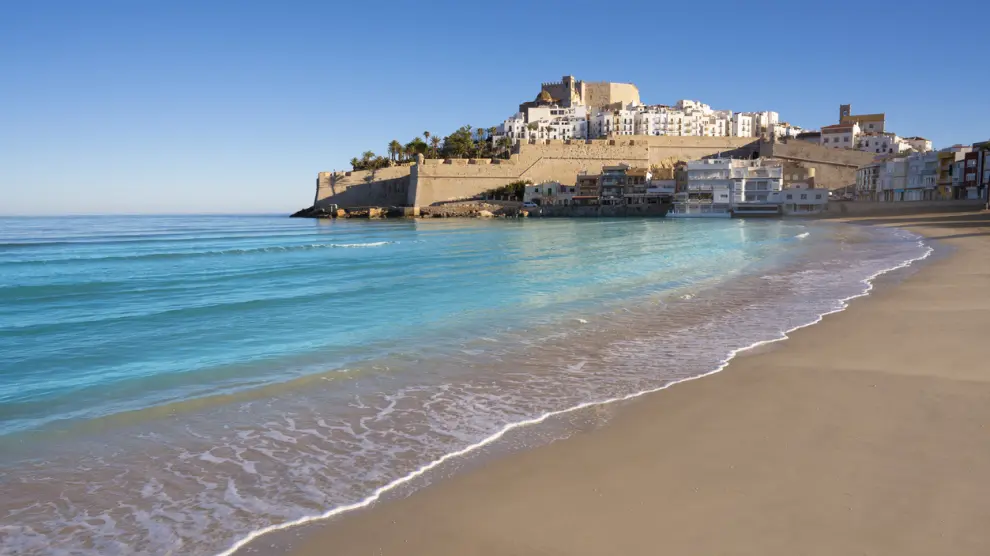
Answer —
(845, 139)
(789, 196)
(804, 196)
(818, 195)
(826, 139)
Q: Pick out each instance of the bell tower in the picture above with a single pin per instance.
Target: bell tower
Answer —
(844, 110)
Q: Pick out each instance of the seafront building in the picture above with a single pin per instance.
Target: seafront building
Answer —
(906, 177)
(708, 191)
(868, 181)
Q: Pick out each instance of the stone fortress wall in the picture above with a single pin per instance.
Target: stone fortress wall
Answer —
(834, 168)
(432, 180)
(598, 94)
(364, 188)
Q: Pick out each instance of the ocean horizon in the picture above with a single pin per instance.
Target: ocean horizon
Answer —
(180, 382)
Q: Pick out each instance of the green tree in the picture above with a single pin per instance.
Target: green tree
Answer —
(505, 144)
(458, 144)
(426, 136)
(416, 146)
(532, 127)
(479, 143)
(355, 163)
(394, 150)
(434, 146)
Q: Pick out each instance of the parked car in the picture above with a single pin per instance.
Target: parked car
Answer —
(530, 205)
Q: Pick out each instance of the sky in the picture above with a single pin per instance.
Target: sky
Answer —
(225, 107)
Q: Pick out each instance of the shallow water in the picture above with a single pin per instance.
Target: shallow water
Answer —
(174, 383)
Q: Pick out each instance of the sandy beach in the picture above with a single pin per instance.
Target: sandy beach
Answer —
(868, 433)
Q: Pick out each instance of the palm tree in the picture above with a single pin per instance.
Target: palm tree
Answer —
(434, 146)
(532, 126)
(505, 144)
(394, 148)
(355, 163)
(426, 135)
(479, 145)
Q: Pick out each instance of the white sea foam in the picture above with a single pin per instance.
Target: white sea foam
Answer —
(841, 305)
(371, 244)
(802, 236)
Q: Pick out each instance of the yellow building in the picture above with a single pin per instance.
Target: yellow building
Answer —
(868, 123)
(944, 177)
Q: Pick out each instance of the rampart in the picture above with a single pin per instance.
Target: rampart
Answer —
(363, 188)
(433, 180)
(834, 168)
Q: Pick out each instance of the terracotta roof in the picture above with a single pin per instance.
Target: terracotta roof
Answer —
(865, 117)
(836, 128)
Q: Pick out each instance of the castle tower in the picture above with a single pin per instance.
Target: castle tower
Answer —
(845, 110)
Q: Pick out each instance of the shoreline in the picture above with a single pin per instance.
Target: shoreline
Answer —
(498, 209)
(330, 528)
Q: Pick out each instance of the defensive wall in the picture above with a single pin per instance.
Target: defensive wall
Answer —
(431, 181)
(834, 168)
(363, 188)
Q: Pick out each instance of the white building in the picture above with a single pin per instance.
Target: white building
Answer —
(686, 118)
(919, 144)
(708, 192)
(868, 180)
(756, 181)
(840, 136)
(763, 122)
(799, 199)
(784, 129)
(882, 143)
(893, 179)
(742, 125)
(546, 122)
(541, 193)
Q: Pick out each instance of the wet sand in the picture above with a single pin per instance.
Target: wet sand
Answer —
(868, 433)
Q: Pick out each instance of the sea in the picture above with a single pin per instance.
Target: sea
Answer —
(183, 384)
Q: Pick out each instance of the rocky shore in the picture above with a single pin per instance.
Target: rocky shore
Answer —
(469, 209)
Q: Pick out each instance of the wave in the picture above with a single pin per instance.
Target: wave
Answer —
(376, 495)
(220, 252)
(804, 235)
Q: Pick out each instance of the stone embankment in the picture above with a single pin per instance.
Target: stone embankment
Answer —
(470, 209)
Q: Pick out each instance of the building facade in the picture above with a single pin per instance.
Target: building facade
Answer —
(573, 109)
(756, 181)
(840, 136)
(869, 123)
(868, 181)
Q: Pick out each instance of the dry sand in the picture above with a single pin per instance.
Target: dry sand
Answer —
(868, 433)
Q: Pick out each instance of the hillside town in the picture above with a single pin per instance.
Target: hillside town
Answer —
(905, 168)
(596, 144)
(574, 109)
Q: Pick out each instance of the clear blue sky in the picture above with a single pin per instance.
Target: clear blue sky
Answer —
(175, 106)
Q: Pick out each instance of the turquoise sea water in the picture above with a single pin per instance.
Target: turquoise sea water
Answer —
(176, 382)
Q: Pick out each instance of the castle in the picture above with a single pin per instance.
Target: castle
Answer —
(601, 95)
(555, 138)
